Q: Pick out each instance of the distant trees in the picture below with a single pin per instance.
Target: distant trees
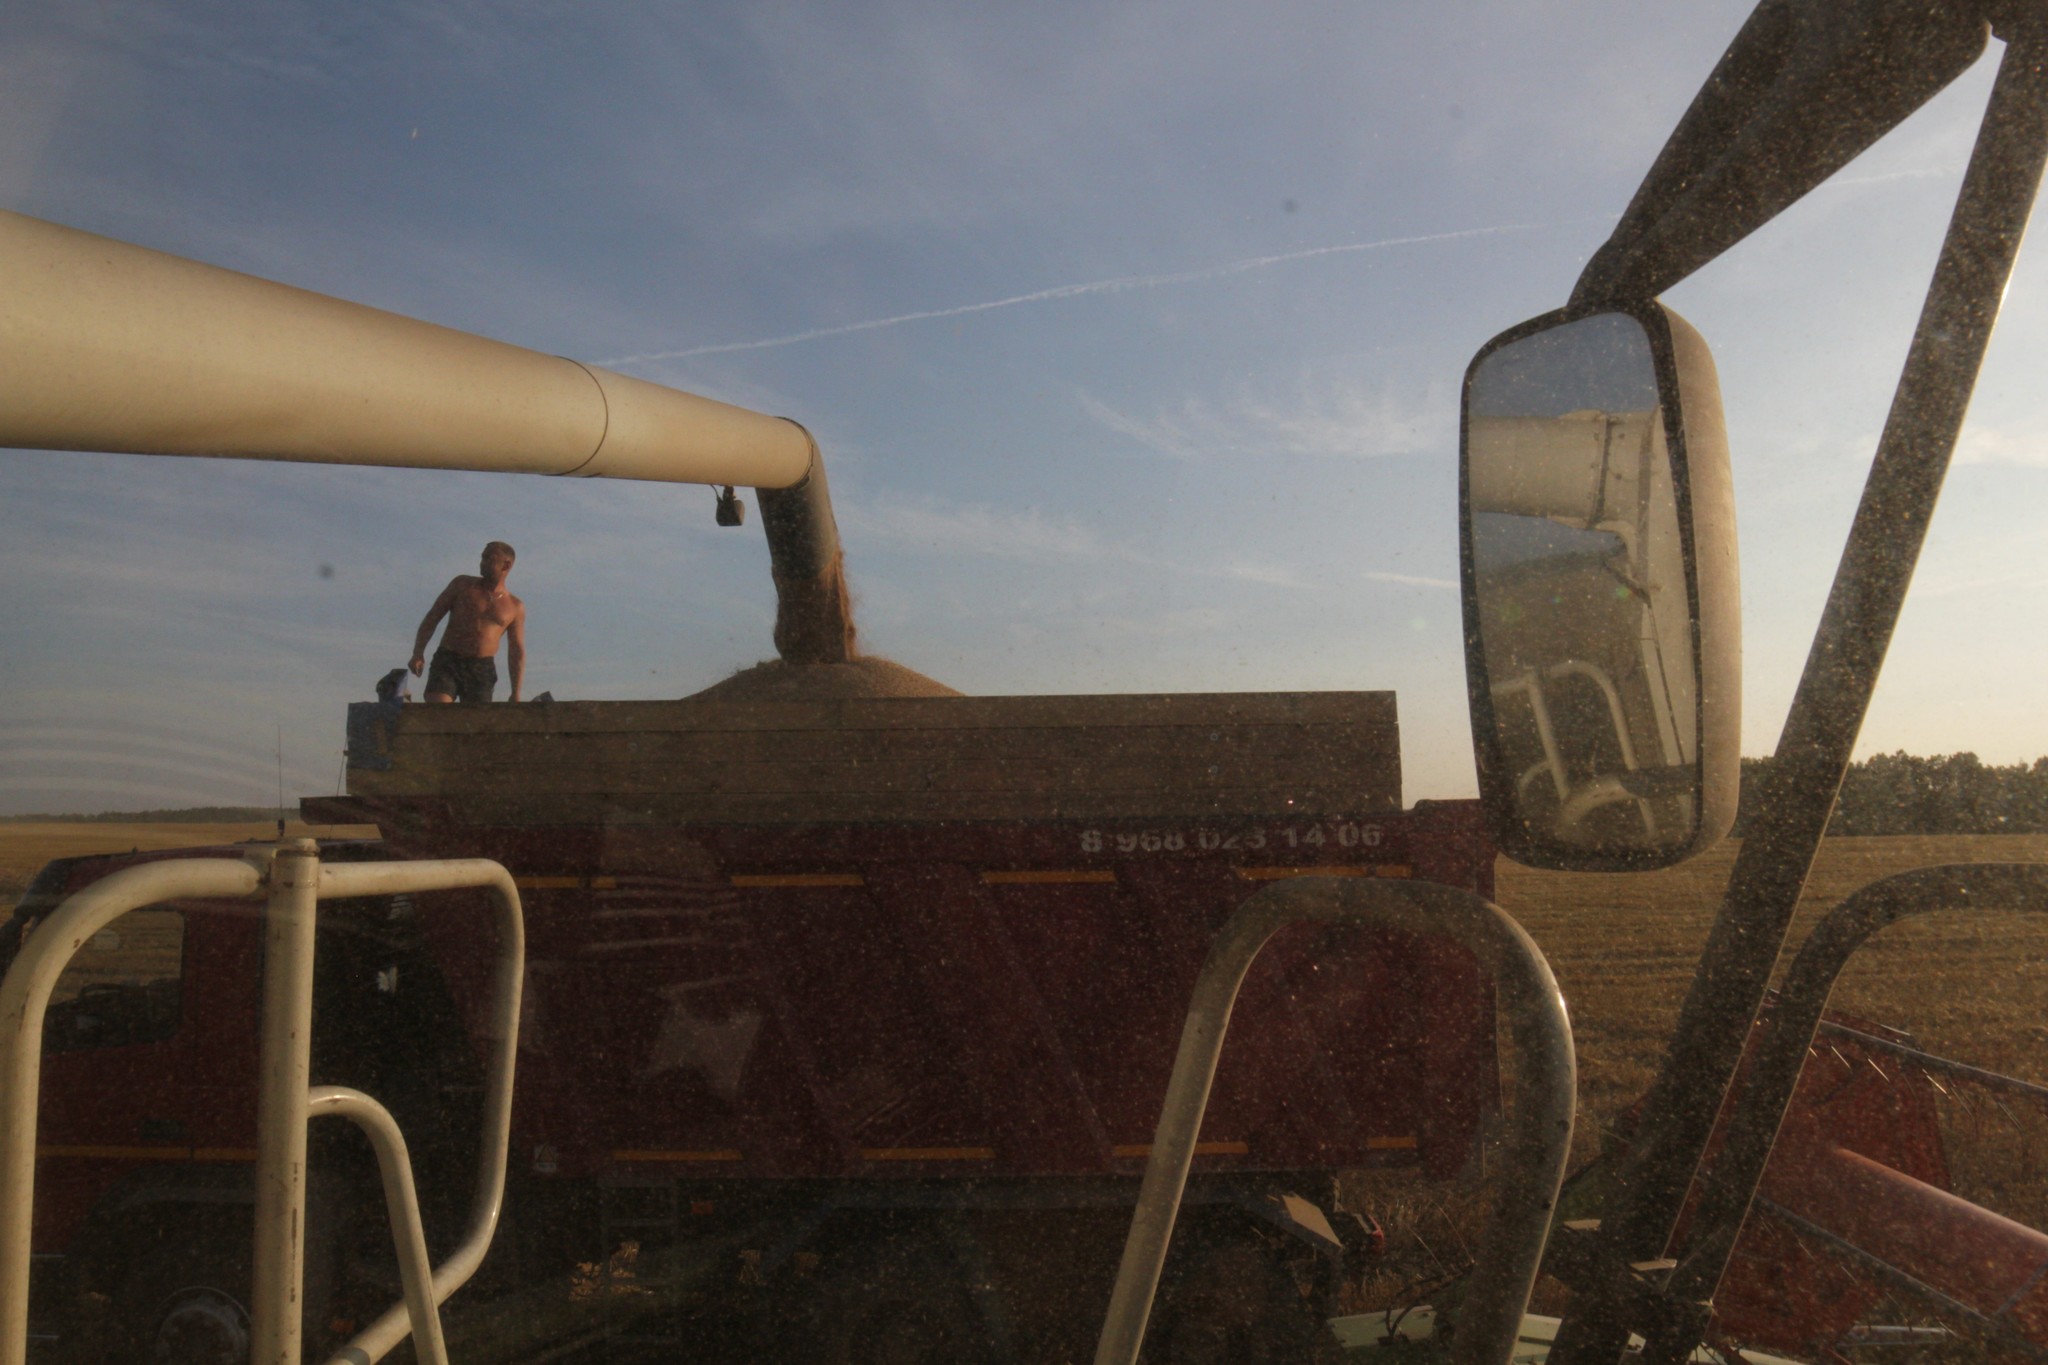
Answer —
(184, 815)
(1902, 793)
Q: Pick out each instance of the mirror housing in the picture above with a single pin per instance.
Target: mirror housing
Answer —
(1598, 568)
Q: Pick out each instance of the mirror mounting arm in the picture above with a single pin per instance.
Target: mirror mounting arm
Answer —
(1827, 713)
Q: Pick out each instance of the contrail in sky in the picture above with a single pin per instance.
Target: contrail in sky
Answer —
(1072, 291)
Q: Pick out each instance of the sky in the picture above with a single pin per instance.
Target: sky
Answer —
(1132, 335)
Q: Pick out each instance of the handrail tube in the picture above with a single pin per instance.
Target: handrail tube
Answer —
(1799, 786)
(501, 1028)
(408, 1235)
(109, 346)
(2002, 1337)
(1759, 1112)
(1616, 715)
(1584, 802)
(1546, 733)
(24, 998)
(1539, 1143)
(284, 1070)
(1991, 1263)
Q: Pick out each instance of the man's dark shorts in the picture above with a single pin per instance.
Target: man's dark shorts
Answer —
(461, 677)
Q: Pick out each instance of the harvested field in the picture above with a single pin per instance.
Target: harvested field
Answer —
(1969, 986)
(26, 845)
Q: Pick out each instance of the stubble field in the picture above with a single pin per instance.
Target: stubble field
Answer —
(1968, 985)
(1972, 986)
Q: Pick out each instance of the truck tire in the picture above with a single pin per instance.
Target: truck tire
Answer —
(1226, 1299)
(893, 1300)
(186, 1307)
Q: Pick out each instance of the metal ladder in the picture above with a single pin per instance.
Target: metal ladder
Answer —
(290, 878)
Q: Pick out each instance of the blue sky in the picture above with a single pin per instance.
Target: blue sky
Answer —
(1132, 334)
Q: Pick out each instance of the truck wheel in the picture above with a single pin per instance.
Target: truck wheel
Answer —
(1228, 1299)
(181, 1308)
(894, 1302)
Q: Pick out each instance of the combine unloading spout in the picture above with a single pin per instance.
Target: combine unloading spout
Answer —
(813, 610)
(114, 347)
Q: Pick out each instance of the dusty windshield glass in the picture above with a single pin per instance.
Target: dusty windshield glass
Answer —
(871, 835)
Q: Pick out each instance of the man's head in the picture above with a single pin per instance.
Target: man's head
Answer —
(496, 562)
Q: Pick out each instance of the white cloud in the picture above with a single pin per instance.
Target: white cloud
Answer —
(51, 759)
(1989, 445)
(1169, 623)
(928, 524)
(1265, 575)
(1112, 285)
(113, 739)
(1409, 580)
(967, 532)
(2009, 587)
(1343, 419)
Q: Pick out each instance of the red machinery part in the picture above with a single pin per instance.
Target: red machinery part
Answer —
(1978, 1258)
(1860, 1158)
(1780, 1293)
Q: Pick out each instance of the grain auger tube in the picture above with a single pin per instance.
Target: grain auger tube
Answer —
(108, 346)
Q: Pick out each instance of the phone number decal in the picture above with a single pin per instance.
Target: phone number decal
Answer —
(1341, 833)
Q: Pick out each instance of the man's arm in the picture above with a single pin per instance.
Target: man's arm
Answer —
(426, 632)
(515, 649)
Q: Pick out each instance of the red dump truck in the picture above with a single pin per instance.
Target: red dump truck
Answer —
(841, 1014)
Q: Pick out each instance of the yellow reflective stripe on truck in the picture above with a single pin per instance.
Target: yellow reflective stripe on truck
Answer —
(927, 1154)
(107, 1153)
(801, 879)
(1048, 876)
(1274, 874)
(1201, 1149)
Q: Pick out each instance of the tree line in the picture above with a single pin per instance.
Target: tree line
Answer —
(1902, 793)
(184, 815)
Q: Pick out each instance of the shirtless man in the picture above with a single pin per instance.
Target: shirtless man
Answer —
(479, 611)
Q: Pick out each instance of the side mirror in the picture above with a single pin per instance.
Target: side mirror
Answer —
(1602, 626)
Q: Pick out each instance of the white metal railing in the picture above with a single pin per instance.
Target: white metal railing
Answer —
(1540, 1116)
(292, 880)
(1576, 804)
